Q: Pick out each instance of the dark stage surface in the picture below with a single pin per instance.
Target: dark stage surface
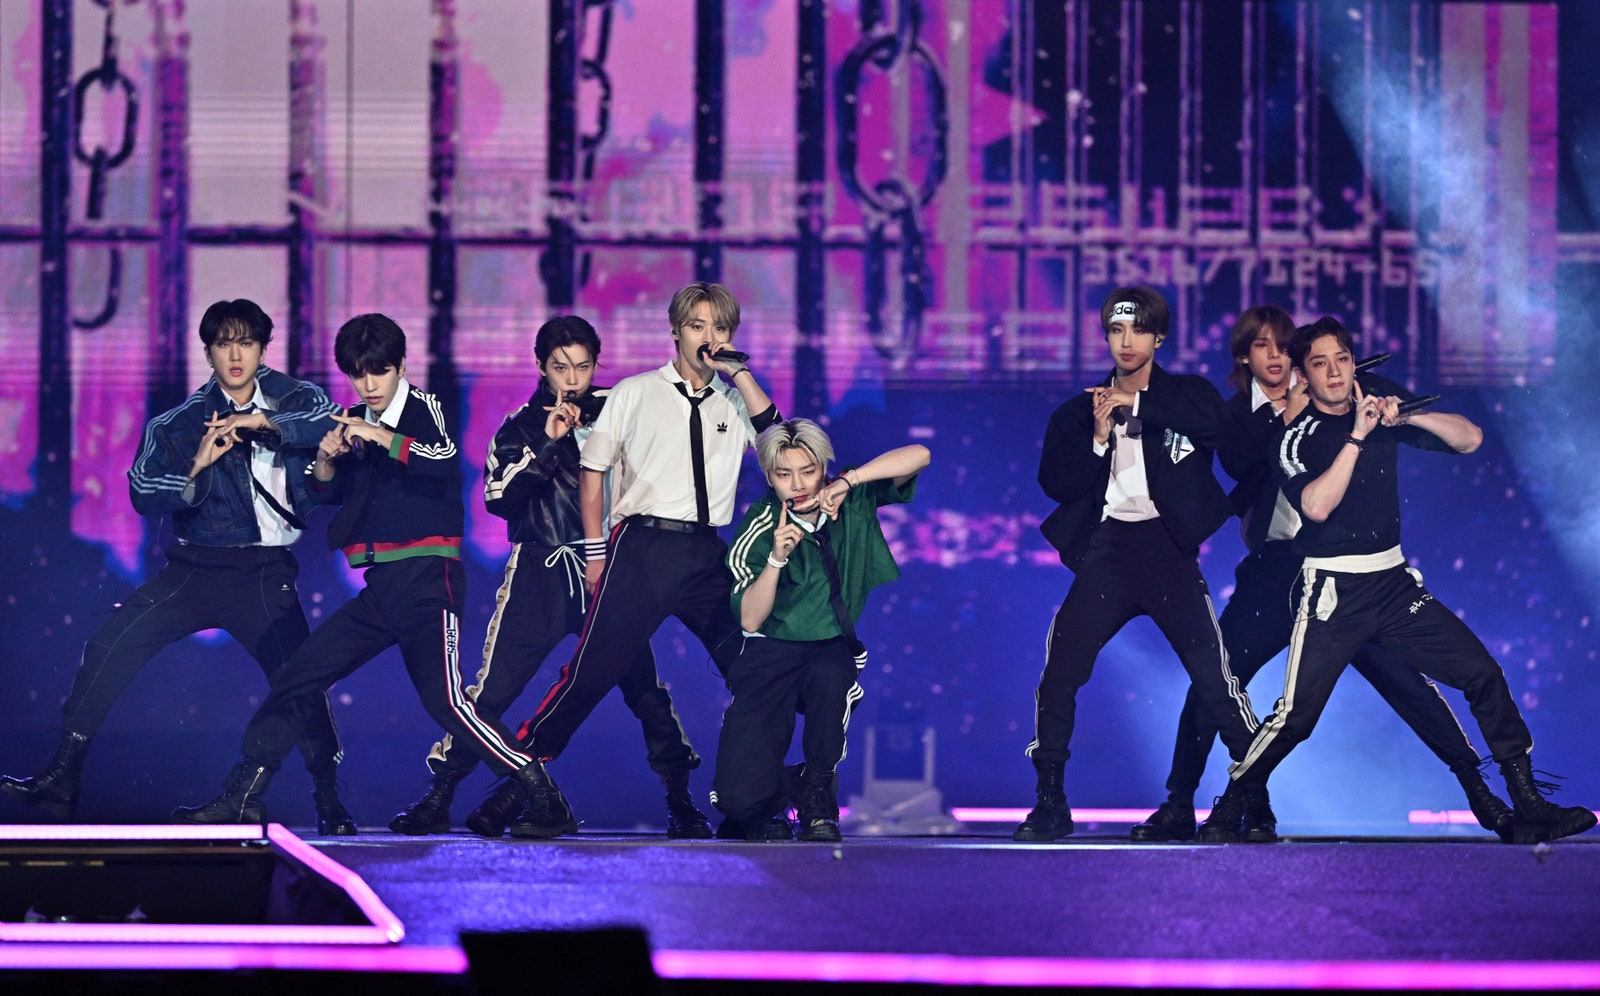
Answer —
(1094, 910)
(1089, 897)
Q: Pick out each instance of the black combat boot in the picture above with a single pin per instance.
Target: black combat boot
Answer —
(1226, 824)
(333, 820)
(1260, 822)
(684, 820)
(547, 813)
(1172, 820)
(818, 809)
(1493, 813)
(431, 813)
(1050, 818)
(55, 789)
(240, 801)
(1536, 818)
(498, 810)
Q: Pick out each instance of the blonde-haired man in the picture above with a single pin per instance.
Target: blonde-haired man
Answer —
(803, 561)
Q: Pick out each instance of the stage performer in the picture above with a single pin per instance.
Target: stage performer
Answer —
(1130, 461)
(673, 439)
(228, 465)
(1338, 468)
(531, 481)
(1257, 619)
(804, 559)
(392, 467)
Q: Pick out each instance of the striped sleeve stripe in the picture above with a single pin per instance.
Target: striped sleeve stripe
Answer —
(498, 476)
(316, 406)
(146, 483)
(1289, 448)
(435, 451)
(320, 408)
(742, 574)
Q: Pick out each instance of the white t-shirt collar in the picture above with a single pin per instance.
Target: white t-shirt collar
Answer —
(391, 415)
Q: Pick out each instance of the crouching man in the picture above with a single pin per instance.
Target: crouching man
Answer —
(803, 561)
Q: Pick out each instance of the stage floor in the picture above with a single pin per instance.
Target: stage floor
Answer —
(1091, 911)
(1387, 911)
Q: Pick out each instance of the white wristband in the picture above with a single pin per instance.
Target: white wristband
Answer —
(594, 548)
(780, 564)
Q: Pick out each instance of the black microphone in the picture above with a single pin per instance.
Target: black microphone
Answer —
(1417, 404)
(726, 354)
(1379, 360)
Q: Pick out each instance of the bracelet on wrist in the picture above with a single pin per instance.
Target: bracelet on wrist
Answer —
(1357, 443)
(594, 548)
(779, 564)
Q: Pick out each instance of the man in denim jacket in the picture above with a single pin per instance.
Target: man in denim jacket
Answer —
(229, 466)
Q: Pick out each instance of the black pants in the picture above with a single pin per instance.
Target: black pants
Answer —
(1133, 569)
(1256, 625)
(770, 680)
(539, 603)
(1335, 615)
(650, 574)
(247, 592)
(416, 604)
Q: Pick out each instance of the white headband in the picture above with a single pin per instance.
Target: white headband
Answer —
(1125, 309)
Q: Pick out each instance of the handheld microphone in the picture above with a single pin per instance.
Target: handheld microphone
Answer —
(1373, 361)
(1417, 404)
(726, 354)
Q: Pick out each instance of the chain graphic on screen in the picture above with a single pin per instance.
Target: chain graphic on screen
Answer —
(893, 199)
(102, 159)
(593, 68)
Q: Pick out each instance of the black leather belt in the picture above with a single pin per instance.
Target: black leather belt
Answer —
(674, 525)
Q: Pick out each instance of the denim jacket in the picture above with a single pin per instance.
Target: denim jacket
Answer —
(218, 507)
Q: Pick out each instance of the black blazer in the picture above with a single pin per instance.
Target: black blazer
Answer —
(1184, 422)
(1249, 453)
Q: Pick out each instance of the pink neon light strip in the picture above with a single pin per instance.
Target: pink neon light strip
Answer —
(981, 814)
(434, 960)
(353, 885)
(192, 933)
(951, 970)
(385, 927)
(115, 831)
(855, 967)
(1442, 816)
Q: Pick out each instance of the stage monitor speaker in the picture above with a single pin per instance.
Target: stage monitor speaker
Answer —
(561, 962)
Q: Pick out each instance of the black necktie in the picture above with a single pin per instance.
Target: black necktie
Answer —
(249, 468)
(830, 565)
(697, 454)
(283, 513)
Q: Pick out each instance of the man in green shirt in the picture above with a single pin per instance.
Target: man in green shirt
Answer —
(803, 561)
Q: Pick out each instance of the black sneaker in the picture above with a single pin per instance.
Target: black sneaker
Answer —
(1172, 820)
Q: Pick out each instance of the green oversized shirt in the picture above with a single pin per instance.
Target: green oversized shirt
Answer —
(802, 608)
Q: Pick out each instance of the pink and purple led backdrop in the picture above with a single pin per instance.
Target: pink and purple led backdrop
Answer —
(1398, 165)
